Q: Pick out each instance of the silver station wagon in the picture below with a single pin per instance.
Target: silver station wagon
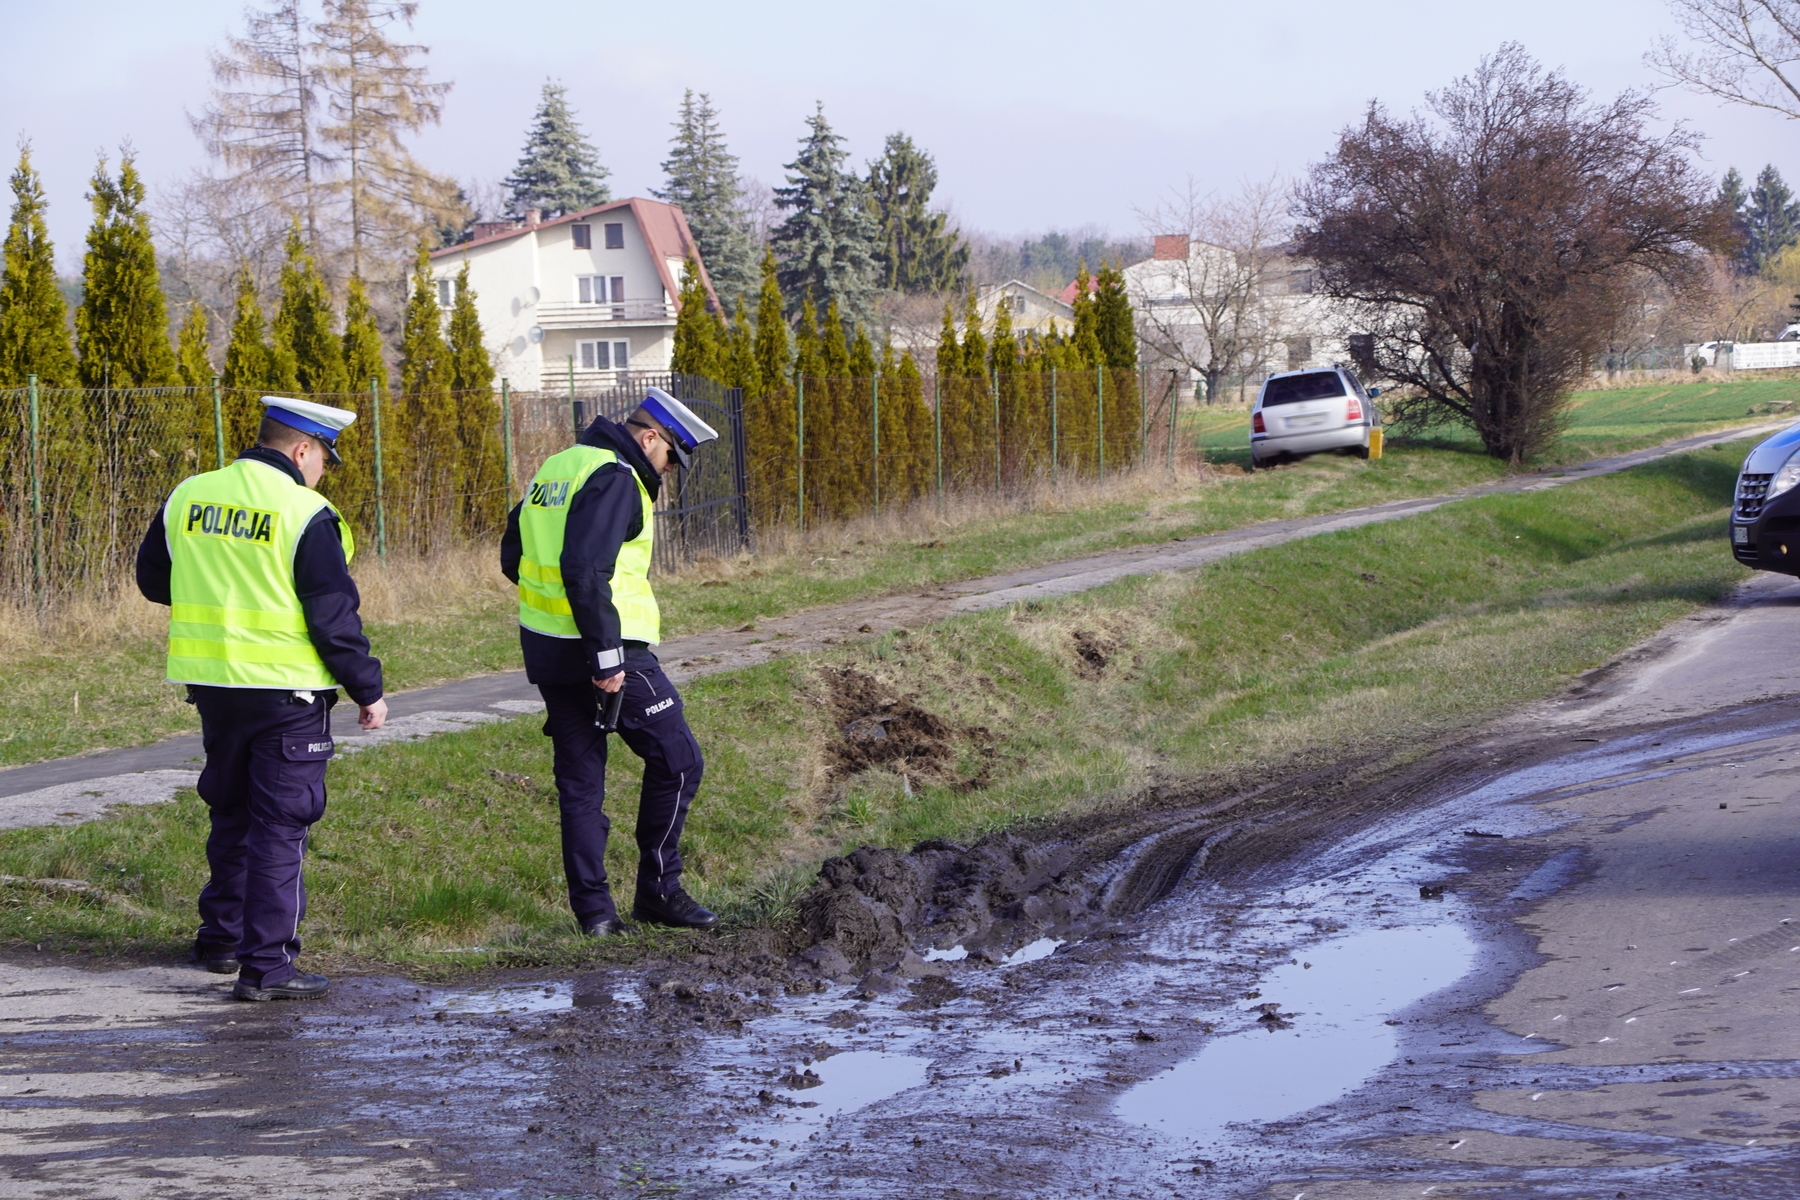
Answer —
(1305, 412)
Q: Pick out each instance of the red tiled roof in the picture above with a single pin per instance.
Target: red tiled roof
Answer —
(1067, 295)
(665, 230)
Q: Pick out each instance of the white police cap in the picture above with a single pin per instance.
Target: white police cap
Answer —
(688, 430)
(315, 420)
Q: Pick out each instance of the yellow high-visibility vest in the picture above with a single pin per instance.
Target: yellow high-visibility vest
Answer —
(543, 518)
(235, 619)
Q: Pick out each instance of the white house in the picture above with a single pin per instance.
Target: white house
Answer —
(591, 294)
(1032, 311)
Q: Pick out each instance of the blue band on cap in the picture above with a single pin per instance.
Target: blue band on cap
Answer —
(294, 420)
(654, 407)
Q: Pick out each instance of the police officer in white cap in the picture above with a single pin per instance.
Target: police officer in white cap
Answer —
(263, 628)
(579, 547)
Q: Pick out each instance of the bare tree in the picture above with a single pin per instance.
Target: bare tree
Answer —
(377, 95)
(1744, 51)
(1487, 244)
(1206, 300)
(263, 119)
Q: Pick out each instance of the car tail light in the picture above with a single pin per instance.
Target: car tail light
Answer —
(1256, 424)
(1354, 413)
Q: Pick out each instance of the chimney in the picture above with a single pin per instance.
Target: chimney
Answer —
(1171, 246)
(535, 217)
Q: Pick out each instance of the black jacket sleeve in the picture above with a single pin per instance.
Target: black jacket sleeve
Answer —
(153, 565)
(330, 600)
(604, 515)
(512, 548)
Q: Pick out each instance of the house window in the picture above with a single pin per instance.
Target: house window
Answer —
(446, 292)
(584, 236)
(601, 289)
(605, 356)
(615, 237)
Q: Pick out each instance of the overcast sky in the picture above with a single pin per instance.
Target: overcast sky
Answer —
(1041, 115)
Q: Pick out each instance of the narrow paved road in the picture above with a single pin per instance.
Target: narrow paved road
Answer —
(72, 790)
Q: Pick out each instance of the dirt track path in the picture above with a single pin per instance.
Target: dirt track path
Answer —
(72, 790)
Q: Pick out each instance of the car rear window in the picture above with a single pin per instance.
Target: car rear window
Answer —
(1291, 389)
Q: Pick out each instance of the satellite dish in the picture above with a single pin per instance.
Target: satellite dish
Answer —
(531, 295)
(535, 333)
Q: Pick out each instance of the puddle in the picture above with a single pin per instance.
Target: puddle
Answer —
(525, 998)
(953, 954)
(1042, 948)
(1337, 1041)
(856, 1079)
(1550, 878)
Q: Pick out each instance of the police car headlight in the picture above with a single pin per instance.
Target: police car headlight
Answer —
(1784, 479)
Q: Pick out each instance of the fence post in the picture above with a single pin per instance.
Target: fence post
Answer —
(574, 409)
(875, 393)
(1143, 415)
(218, 423)
(37, 496)
(740, 457)
(937, 435)
(1053, 446)
(994, 390)
(506, 431)
(1100, 417)
(380, 504)
(800, 433)
(1174, 399)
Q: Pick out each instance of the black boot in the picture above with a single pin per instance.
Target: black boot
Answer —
(611, 927)
(300, 987)
(677, 910)
(220, 960)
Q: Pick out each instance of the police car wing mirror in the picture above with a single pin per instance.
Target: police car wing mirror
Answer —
(1374, 392)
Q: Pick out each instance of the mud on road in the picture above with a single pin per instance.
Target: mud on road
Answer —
(1553, 960)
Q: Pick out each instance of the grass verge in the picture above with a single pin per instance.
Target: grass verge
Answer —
(444, 854)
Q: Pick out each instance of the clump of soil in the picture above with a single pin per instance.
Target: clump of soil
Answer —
(1093, 651)
(878, 728)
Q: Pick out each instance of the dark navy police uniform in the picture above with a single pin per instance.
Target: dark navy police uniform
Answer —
(605, 513)
(266, 754)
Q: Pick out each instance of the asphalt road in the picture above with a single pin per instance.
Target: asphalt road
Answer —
(1599, 1004)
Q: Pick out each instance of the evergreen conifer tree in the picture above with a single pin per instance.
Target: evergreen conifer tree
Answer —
(1732, 200)
(739, 356)
(699, 337)
(191, 357)
(34, 320)
(1114, 330)
(769, 412)
(914, 416)
(1084, 339)
(302, 326)
(352, 486)
(858, 435)
(1004, 379)
(955, 397)
(481, 472)
(836, 441)
(425, 416)
(827, 242)
(363, 359)
(702, 181)
(811, 402)
(122, 325)
(559, 171)
(251, 366)
(914, 250)
(1771, 220)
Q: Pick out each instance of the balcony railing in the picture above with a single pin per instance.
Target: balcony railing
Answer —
(568, 314)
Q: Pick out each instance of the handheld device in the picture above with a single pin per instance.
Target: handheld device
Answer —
(608, 705)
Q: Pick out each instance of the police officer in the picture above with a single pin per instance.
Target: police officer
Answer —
(263, 628)
(578, 545)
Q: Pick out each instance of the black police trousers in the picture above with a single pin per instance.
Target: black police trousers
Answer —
(652, 725)
(264, 782)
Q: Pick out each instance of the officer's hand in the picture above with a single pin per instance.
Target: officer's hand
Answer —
(372, 716)
(611, 684)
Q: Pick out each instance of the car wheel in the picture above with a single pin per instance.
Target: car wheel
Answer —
(1360, 451)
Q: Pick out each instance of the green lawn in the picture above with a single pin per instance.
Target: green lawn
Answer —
(444, 854)
(96, 688)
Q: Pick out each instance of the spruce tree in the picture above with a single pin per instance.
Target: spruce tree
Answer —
(827, 243)
(699, 337)
(302, 326)
(191, 357)
(559, 171)
(1771, 220)
(34, 320)
(703, 182)
(1732, 201)
(915, 252)
(122, 325)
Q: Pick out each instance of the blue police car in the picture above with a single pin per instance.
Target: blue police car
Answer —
(1765, 520)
